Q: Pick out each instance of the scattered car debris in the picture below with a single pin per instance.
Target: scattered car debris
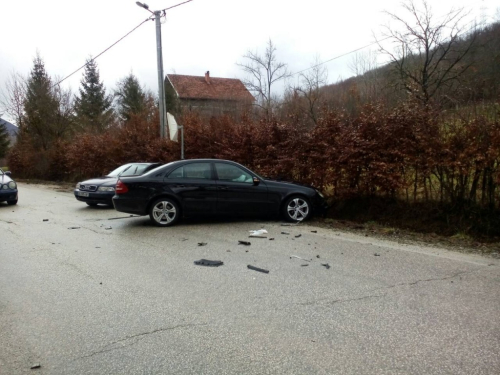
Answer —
(271, 239)
(45, 219)
(326, 265)
(314, 231)
(108, 228)
(202, 243)
(74, 228)
(208, 263)
(228, 251)
(184, 239)
(35, 366)
(285, 233)
(295, 256)
(246, 243)
(298, 235)
(304, 265)
(258, 233)
(317, 256)
(377, 254)
(257, 269)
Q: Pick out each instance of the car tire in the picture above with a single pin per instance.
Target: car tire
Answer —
(164, 212)
(11, 203)
(91, 204)
(296, 209)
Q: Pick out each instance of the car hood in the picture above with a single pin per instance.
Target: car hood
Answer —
(4, 179)
(275, 182)
(107, 181)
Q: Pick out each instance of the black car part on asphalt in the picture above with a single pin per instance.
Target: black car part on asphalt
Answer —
(211, 187)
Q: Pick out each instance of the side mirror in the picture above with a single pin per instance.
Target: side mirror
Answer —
(256, 181)
(8, 173)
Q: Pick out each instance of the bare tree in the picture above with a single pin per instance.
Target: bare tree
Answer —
(365, 67)
(12, 100)
(310, 89)
(264, 71)
(429, 52)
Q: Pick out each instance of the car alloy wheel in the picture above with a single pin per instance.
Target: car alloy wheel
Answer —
(297, 209)
(164, 212)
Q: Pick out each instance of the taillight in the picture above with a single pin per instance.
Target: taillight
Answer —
(121, 188)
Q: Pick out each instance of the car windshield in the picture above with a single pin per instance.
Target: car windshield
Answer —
(119, 170)
(1, 172)
(135, 170)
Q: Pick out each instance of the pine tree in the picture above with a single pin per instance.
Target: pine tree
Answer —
(93, 107)
(4, 140)
(130, 97)
(41, 106)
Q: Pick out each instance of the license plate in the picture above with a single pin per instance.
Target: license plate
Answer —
(83, 194)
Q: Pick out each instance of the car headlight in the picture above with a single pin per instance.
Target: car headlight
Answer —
(320, 194)
(12, 185)
(106, 188)
(78, 185)
(5, 187)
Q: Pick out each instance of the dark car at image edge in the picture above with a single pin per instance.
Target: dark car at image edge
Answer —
(210, 187)
(8, 188)
(100, 190)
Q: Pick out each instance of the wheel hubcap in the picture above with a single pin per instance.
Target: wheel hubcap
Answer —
(164, 212)
(298, 209)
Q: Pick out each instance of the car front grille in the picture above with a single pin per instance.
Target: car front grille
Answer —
(88, 187)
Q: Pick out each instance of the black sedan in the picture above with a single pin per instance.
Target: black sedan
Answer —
(212, 187)
(8, 188)
(101, 189)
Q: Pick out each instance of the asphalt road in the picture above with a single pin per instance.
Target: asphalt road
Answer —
(119, 296)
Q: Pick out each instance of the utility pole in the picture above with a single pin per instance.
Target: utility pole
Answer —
(159, 58)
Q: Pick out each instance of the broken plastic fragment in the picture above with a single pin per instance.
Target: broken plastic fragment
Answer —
(202, 243)
(35, 366)
(246, 243)
(74, 228)
(257, 269)
(295, 256)
(377, 254)
(314, 231)
(45, 219)
(208, 263)
(285, 233)
(326, 265)
(298, 235)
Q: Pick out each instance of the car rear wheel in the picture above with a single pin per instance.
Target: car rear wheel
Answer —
(296, 209)
(164, 212)
(11, 203)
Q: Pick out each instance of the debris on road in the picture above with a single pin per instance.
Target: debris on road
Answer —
(35, 366)
(314, 231)
(258, 233)
(74, 228)
(326, 265)
(285, 233)
(45, 219)
(208, 263)
(304, 265)
(298, 235)
(317, 256)
(108, 228)
(377, 254)
(257, 269)
(246, 243)
(295, 256)
(271, 239)
(202, 243)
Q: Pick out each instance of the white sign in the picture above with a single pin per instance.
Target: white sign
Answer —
(173, 128)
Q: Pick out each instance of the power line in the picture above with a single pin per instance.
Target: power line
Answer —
(107, 49)
(339, 56)
(176, 5)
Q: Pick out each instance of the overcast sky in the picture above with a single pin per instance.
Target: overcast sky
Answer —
(198, 36)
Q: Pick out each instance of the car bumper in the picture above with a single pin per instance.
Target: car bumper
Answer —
(8, 195)
(130, 206)
(94, 197)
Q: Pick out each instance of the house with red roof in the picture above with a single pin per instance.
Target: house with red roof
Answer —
(206, 95)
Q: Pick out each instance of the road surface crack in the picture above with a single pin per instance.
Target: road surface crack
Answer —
(135, 338)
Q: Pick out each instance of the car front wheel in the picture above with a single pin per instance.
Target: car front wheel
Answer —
(296, 209)
(164, 212)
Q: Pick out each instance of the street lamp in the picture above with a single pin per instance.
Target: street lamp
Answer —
(159, 57)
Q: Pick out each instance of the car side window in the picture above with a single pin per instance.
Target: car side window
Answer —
(232, 173)
(192, 171)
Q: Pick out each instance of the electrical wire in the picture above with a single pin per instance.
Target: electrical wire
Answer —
(176, 5)
(107, 49)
